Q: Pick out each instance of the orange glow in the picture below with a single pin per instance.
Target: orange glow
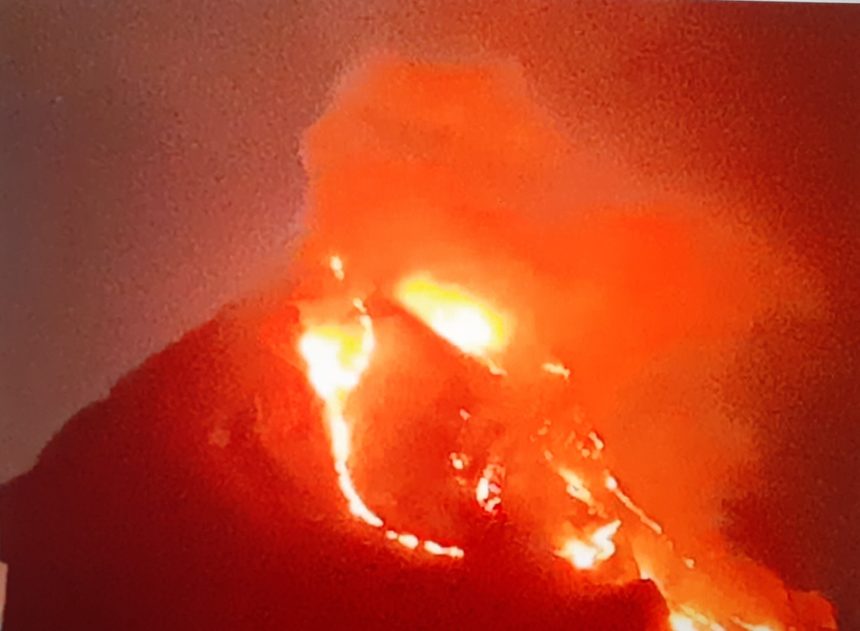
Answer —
(454, 314)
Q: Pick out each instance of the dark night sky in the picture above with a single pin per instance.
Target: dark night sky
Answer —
(149, 172)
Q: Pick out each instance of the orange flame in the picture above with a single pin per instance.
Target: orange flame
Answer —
(336, 358)
(337, 355)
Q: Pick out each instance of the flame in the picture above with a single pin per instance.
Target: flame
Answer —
(588, 552)
(470, 324)
(488, 491)
(336, 358)
(690, 620)
(338, 354)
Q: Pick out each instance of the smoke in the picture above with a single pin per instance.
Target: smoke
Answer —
(454, 168)
(150, 176)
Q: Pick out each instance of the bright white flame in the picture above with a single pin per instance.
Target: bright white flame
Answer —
(587, 553)
(454, 314)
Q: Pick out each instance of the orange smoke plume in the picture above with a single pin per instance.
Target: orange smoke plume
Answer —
(448, 190)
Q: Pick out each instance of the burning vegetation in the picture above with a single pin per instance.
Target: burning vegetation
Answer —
(439, 195)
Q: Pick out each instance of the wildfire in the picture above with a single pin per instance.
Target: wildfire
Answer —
(337, 354)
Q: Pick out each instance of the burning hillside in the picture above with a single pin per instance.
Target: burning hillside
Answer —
(480, 401)
(598, 528)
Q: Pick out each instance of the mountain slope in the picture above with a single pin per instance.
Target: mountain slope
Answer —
(200, 494)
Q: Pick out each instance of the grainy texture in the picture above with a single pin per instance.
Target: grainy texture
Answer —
(148, 173)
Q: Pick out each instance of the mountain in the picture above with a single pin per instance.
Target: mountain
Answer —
(200, 494)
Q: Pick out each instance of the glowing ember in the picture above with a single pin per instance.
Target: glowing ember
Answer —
(408, 541)
(597, 441)
(586, 553)
(455, 315)
(336, 265)
(576, 486)
(439, 550)
(336, 357)
(458, 461)
(488, 491)
(612, 485)
(555, 368)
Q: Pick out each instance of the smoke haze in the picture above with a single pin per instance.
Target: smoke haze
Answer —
(151, 172)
